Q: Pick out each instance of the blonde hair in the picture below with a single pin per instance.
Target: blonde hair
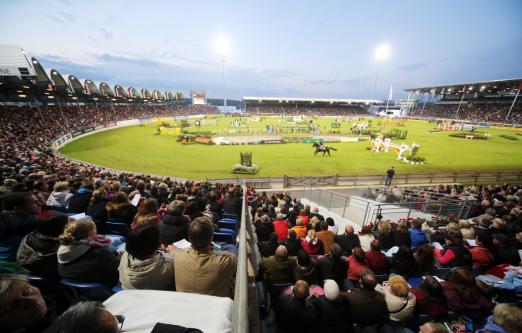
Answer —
(452, 226)
(498, 223)
(464, 224)
(76, 230)
(60, 186)
(311, 234)
(508, 317)
(97, 195)
(398, 286)
(384, 227)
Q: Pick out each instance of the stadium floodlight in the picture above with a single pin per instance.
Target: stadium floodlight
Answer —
(382, 52)
(222, 46)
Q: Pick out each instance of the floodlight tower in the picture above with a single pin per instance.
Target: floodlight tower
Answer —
(381, 53)
(222, 47)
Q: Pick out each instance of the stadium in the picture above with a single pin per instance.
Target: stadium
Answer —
(281, 212)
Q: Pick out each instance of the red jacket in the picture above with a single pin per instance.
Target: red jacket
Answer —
(312, 249)
(281, 229)
(355, 268)
(377, 261)
(481, 256)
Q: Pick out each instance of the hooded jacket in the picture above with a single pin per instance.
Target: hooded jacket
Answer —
(37, 254)
(13, 227)
(86, 263)
(156, 272)
(491, 326)
(173, 228)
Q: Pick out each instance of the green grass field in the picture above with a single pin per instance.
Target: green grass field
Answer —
(136, 149)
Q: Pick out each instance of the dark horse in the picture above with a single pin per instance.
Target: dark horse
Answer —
(322, 148)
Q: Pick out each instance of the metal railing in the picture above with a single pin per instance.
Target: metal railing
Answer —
(245, 317)
(363, 211)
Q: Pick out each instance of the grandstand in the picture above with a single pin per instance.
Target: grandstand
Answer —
(485, 101)
(273, 241)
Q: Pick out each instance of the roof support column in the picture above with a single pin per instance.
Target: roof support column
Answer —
(424, 104)
(512, 104)
(463, 92)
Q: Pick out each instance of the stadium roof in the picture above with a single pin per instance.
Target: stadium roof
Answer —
(490, 87)
(310, 100)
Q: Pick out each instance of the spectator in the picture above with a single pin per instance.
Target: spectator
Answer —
(97, 207)
(401, 236)
(356, 264)
(83, 255)
(480, 254)
(264, 228)
(332, 266)
(389, 176)
(23, 308)
(147, 213)
(464, 296)
(384, 235)
(295, 306)
(368, 308)
(233, 202)
(60, 196)
(315, 213)
(399, 300)
(80, 200)
(466, 230)
(506, 318)
(366, 237)
(513, 281)
(326, 237)
(141, 265)
(332, 310)
(85, 317)
(306, 269)
(281, 227)
(425, 259)
(37, 251)
(377, 261)
(299, 229)
(311, 244)
(430, 298)
(348, 240)
(331, 225)
(417, 236)
(304, 217)
(213, 271)
(120, 209)
(404, 263)
(292, 243)
(454, 254)
(17, 219)
(174, 224)
(279, 268)
(268, 248)
(504, 252)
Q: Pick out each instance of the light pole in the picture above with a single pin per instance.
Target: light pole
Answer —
(222, 47)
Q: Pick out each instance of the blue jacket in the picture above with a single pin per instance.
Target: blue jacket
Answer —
(417, 237)
(492, 327)
(513, 282)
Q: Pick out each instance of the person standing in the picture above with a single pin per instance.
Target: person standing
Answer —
(389, 176)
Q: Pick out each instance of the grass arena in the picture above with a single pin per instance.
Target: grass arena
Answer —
(142, 149)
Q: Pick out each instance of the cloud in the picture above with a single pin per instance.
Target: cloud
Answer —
(106, 34)
(57, 19)
(322, 82)
(414, 66)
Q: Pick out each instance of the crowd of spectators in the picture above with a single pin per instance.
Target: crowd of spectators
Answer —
(476, 112)
(391, 276)
(349, 111)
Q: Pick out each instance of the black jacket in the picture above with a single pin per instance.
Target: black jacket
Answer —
(347, 243)
(173, 228)
(332, 316)
(233, 205)
(292, 246)
(124, 214)
(37, 254)
(98, 211)
(333, 268)
(96, 265)
(295, 315)
(263, 231)
(367, 307)
(13, 227)
(79, 202)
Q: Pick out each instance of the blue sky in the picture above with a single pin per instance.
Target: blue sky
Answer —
(278, 48)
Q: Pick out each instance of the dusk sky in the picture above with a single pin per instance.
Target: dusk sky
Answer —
(277, 48)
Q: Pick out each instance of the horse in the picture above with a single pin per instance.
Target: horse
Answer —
(322, 148)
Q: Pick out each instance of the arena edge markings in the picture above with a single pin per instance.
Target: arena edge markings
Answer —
(136, 149)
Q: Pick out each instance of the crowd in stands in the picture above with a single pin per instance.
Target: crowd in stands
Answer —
(393, 276)
(478, 112)
(349, 111)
